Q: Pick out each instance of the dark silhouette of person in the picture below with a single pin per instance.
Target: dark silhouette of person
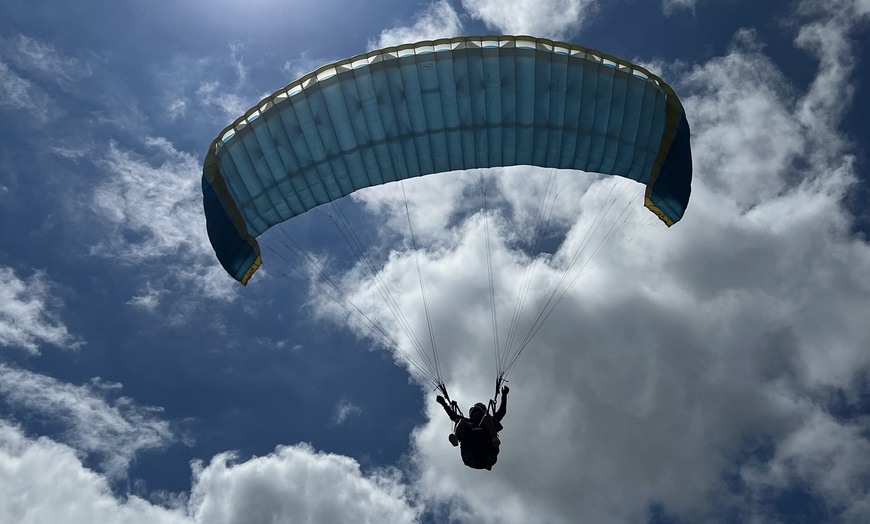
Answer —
(477, 435)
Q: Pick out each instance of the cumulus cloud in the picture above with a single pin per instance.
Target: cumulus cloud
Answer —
(113, 431)
(44, 481)
(438, 20)
(665, 365)
(26, 317)
(557, 19)
(297, 484)
(827, 457)
(153, 208)
(432, 204)
(675, 353)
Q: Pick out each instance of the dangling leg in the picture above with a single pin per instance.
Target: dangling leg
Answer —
(489, 425)
(459, 432)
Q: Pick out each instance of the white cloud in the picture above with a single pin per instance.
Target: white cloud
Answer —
(438, 20)
(667, 358)
(148, 300)
(432, 204)
(43, 481)
(19, 93)
(41, 58)
(670, 6)
(176, 108)
(114, 431)
(207, 92)
(231, 104)
(26, 319)
(556, 19)
(304, 64)
(158, 202)
(71, 151)
(643, 388)
(344, 411)
(31, 61)
(829, 457)
(296, 484)
(154, 210)
(236, 51)
(275, 344)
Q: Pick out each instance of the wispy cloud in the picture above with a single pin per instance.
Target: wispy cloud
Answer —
(437, 20)
(557, 19)
(237, 52)
(156, 200)
(19, 93)
(670, 6)
(153, 207)
(27, 319)
(344, 412)
(41, 58)
(231, 104)
(176, 108)
(207, 93)
(149, 300)
(274, 344)
(73, 152)
(302, 65)
(25, 63)
(114, 430)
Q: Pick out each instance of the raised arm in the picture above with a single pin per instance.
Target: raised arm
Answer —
(448, 408)
(502, 409)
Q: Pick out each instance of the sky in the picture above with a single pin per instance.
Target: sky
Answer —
(715, 371)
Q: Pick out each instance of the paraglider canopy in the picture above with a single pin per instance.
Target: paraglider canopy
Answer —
(437, 106)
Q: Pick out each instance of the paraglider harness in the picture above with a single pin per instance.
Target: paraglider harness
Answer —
(490, 409)
(474, 455)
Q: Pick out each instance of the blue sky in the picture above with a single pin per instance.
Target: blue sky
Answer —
(713, 372)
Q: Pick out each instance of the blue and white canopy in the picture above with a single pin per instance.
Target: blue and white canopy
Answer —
(438, 106)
